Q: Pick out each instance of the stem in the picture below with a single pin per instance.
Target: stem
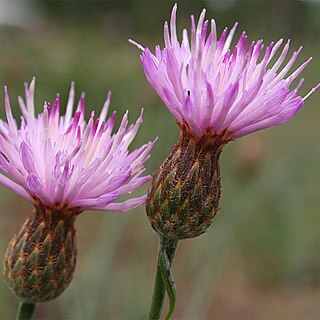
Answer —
(166, 253)
(168, 283)
(25, 310)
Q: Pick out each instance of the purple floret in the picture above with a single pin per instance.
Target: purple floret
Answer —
(65, 161)
(214, 87)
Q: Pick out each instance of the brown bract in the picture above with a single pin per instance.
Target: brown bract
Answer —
(40, 259)
(185, 192)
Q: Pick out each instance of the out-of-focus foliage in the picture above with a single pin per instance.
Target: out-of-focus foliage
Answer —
(261, 258)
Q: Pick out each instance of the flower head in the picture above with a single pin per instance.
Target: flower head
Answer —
(67, 162)
(215, 88)
(64, 165)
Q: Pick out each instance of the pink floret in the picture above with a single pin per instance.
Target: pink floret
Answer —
(212, 86)
(65, 161)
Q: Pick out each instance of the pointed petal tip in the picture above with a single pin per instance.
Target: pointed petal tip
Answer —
(125, 116)
(32, 83)
(174, 9)
(136, 44)
(311, 92)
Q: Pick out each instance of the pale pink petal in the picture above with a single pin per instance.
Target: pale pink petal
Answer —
(66, 161)
(210, 85)
(126, 205)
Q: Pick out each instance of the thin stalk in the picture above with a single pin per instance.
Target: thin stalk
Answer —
(168, 283)
(25, 310)
(163, 279)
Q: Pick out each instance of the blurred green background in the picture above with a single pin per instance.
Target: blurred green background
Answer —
(260, 259)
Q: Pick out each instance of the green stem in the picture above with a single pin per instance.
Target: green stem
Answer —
(163, 278)
(25, 310)
(168, 282)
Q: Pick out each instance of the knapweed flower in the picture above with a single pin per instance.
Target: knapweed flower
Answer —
(216, 93)
(63, 165)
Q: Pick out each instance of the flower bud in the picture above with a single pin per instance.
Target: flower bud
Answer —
(185, 192)
(40, 259)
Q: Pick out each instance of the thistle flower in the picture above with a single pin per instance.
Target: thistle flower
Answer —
(217, 94)
(63, 165)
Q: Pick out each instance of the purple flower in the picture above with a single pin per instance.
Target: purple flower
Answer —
(214, 88)
(67, 162)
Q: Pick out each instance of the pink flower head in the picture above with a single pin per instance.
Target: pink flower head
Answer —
(65, 161)
(215, 88)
